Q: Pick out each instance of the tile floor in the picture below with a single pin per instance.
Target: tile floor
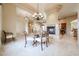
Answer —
(61, 47)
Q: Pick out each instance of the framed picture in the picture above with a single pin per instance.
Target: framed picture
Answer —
(51, 29)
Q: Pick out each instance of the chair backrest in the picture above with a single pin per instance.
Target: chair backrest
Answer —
(4, 32)
(3, 36)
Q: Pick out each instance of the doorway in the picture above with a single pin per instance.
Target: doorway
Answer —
(74, 29)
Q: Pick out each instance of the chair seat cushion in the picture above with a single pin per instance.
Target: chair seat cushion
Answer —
(9, 36)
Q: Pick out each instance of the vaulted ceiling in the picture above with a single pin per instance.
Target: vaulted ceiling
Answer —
(63, 9)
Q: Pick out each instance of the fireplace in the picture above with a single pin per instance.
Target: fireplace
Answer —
(51, 29)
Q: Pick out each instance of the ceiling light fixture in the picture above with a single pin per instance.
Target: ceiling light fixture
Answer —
(38, 15)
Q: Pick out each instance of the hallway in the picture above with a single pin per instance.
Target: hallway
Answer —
(64, 46)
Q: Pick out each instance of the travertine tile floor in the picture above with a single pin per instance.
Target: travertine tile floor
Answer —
(62, 47)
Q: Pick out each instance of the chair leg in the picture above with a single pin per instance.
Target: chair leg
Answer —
(25, 44)
(35, 42)
(13, 38)
(25, 41)
(41, 45)
(5, 40)
(46, 44)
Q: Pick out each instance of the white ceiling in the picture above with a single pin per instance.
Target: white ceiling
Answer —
(22, 12)
(68, 9)
(63, 9)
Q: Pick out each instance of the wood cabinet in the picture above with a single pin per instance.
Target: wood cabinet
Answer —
(62, 28)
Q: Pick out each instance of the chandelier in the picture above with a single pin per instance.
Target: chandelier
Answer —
(38, 15)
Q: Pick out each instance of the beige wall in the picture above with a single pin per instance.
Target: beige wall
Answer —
(78, 23)
(68, 26)
(52, 19)
(9, 18)
(0, 22)
(20, 26)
